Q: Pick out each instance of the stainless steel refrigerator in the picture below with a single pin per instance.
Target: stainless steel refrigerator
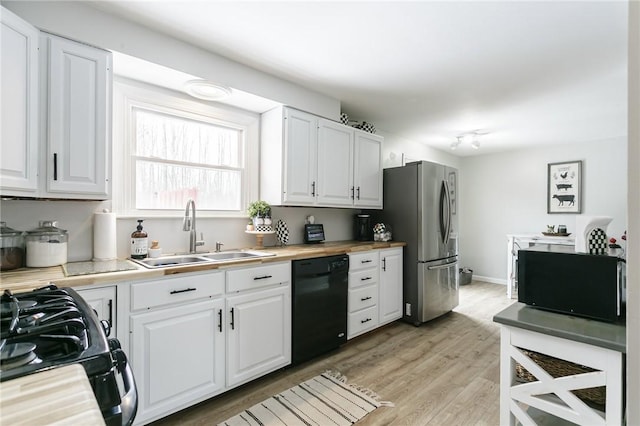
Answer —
(420, 206)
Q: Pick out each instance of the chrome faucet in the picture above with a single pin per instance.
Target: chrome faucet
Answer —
(189, 224)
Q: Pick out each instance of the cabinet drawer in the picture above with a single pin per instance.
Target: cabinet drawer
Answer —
(258, 276)
(362, 321)
(364, 277)
(364, 260)
(363, 297)
(166, 291)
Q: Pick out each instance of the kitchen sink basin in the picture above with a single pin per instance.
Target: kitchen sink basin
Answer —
(223, 256)
(166, 261)
(234, 255)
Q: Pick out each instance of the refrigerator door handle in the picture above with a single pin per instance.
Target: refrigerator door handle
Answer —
(445, 212)
(445, 266)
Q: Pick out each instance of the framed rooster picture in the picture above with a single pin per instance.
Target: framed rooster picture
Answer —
(564, 187)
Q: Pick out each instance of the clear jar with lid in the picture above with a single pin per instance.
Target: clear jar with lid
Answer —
(46, 245)
(11, 248)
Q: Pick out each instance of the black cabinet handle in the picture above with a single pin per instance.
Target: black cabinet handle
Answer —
(365, 298)
(264, 277)
(358, 193)
(352, 192)
(220, 320)
(365, 278)
(182, 291)
(232, 319)
(365, 320)
(110, 304)
(55, 166)
(366, 261)
(313, 188)
(384, 263)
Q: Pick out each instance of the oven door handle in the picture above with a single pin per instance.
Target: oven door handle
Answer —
(129, 402)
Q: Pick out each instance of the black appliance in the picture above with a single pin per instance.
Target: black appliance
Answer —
(51, 327)
(558, 279)
(319, 306)
(362, 228)
(313, 233)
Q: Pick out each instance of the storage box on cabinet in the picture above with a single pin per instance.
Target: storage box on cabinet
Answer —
(255, 277)
(186, 287)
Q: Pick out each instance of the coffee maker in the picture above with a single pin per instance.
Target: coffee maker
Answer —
(363, 230)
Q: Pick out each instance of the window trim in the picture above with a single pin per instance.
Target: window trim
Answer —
(129, 94)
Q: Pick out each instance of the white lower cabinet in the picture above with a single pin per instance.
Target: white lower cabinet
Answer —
(103, 301)
(390, 285)
(196, 335)
(259, 334)
(375, 290)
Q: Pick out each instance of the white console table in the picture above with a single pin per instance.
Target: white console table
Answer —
(516, 242)
(595, 344)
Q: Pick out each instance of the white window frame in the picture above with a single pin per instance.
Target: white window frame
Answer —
(130, 94)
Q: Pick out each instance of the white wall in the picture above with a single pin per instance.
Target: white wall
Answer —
(506, 194)
(395, 146)
(633, 268)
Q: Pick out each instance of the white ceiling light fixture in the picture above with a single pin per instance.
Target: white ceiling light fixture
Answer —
(206, 90)
(472, 138)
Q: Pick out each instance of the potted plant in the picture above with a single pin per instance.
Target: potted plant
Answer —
(257, 210)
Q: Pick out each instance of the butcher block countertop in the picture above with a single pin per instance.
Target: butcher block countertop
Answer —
(27, 279)
(60, 396)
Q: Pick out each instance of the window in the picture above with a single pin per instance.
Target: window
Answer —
(175, 149)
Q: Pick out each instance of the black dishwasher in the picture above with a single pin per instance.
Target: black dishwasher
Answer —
(319, 306)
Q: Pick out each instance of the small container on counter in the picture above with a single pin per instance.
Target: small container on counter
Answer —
(155, 250)
(46, 245)
(11, 248)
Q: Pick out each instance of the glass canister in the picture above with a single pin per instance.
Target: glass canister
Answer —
(46, 245)
(11, 248)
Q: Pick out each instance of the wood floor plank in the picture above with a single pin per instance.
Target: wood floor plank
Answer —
(444, 372)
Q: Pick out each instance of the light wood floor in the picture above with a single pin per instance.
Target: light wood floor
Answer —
(445, 372)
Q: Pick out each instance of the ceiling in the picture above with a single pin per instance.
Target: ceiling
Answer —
(523, 73)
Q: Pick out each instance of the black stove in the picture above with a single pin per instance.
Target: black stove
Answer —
(51, 327)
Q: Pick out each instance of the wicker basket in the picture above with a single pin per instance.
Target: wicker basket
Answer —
(560, 368)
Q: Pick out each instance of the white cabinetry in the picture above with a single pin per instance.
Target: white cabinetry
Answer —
(19, 108)
(177, 342)
(311, 161)
(390, 285)
(76, 100)
(259, 327)
(375, 290)
(363, 293)
(103, 301)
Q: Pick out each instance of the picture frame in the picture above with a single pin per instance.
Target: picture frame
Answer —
(564, 187)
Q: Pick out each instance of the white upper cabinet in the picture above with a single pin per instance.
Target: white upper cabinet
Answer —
(77, 96)
(307, 160)
(19, 108)
(368, 170)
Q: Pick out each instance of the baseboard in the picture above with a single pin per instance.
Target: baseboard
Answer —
(490, 280)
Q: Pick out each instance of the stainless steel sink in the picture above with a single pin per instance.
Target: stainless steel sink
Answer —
(236, 255)
(167, 261)
(178, 260)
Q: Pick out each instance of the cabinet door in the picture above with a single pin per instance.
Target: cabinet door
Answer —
(368, 170)
(177, 355)
(103, 301)
(390, 296)
(19, 108)
(335, 164)
(78, 125)
(301, 141)
(258, 333)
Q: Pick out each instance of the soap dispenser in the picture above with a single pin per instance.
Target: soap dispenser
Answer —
(139, 242)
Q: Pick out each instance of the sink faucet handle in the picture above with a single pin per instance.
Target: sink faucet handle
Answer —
(200, 242)
(218, 246)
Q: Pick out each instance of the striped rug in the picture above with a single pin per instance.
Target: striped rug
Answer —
(326, 399)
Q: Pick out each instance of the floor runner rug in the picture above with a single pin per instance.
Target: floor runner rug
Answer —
(326, 399)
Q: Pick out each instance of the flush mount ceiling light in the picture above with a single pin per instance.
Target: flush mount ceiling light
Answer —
(206, 90)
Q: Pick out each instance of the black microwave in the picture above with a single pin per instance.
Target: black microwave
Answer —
(556, 278)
